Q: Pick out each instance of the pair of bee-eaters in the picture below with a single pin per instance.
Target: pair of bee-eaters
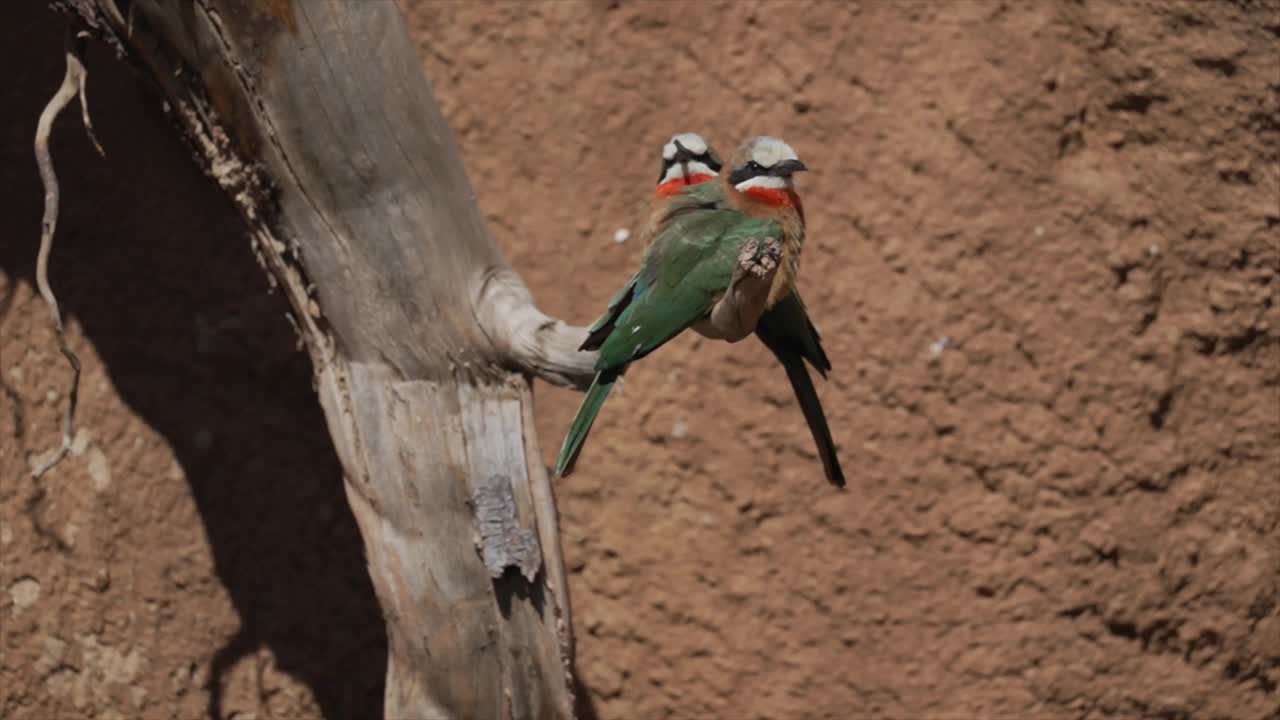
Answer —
(723, 257)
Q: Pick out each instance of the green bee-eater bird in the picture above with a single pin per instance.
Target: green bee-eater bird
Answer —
(785, 327)
(687, 159)
(714, 266)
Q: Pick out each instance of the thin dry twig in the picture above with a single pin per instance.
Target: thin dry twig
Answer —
(73, 83)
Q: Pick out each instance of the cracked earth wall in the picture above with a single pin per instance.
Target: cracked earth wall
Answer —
(1043, 255)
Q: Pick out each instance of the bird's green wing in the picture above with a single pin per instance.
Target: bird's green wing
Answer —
(685, 271)
(601, 328)
(683, 207)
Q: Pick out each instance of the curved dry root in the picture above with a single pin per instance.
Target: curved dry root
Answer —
(73, 83)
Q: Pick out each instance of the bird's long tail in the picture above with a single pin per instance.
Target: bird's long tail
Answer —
(807, 395)
(582, 422)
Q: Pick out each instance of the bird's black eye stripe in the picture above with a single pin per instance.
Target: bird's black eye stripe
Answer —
(748, 171)
(704, 158)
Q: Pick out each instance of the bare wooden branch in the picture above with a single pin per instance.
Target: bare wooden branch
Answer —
(73, 83)
(536, 343)
(316, 119)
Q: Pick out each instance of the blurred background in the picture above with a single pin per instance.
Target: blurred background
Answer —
(1042, 253)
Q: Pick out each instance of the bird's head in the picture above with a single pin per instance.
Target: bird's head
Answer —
(764, 163)
(687, 159)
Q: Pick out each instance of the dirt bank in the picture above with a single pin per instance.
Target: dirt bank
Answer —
(1044, 260)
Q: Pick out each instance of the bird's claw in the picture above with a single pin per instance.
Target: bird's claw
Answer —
(760, 257)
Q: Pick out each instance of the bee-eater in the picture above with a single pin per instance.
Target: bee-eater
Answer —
(785, 327)
(687, 159)
(716, 251)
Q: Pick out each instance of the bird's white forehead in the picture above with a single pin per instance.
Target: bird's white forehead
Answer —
(770, 151)
(693, 142)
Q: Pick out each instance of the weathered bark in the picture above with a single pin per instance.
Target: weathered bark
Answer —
(315, 117)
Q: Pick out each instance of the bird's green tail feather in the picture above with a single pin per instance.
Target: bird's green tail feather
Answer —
(582, 422)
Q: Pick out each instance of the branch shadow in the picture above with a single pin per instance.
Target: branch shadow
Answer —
(153, 264)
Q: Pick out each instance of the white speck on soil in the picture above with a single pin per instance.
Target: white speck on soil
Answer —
(679, 429)
(80, 442)
(40, 459)
(621, 235)
(99, 470)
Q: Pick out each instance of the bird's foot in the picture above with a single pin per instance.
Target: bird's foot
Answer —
(760, 257)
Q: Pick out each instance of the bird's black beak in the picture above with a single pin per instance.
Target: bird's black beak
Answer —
(787, 167)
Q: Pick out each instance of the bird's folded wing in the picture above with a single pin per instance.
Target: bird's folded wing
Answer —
(688, 268)
(786, 327)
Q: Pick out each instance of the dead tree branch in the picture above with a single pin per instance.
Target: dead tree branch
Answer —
(315, 118)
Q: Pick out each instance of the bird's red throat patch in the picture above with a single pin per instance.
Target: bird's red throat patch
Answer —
(774, 197)
(671, 187)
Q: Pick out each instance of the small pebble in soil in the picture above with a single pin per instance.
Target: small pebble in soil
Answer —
(24, 592)
(937, 346)
(679, 429)
(621, 235)
(99, 470)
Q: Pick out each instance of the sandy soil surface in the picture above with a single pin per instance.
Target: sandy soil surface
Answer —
(1044, 247)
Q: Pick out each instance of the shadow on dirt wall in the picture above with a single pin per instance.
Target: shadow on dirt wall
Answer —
(151, 262)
